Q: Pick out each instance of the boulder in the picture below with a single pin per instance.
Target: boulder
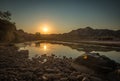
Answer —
(82, 68)
(95, 62)
(114, 76)
(23, 53)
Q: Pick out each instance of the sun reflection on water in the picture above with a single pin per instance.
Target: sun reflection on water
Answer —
(45, 47)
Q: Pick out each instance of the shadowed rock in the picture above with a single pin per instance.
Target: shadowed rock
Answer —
(97, 63)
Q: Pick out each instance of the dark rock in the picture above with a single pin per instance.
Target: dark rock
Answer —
(82, 68)
(64, 79)
(51, 76)
(92, 78)
(80, 77)
(88, 33)
(16, 66)
(24, 53)
(51, 70)
(98, 63)
(72, 78)
(114, 76)
(75, 73)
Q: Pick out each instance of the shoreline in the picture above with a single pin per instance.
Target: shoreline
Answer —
(102, 43)
(15, 65)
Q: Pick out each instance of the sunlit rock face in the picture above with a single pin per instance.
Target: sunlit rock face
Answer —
(100, 64)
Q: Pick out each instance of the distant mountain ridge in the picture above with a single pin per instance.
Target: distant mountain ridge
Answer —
(93, 34)
(9, 33)
(87, 33)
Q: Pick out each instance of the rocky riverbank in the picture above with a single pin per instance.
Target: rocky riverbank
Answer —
(16, 66)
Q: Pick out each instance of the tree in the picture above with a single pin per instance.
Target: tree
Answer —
(5, 15)
(37, 35)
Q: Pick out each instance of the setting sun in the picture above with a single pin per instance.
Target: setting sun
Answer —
(45, 29)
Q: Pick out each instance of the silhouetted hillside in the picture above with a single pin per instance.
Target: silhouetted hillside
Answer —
(87, 33)
(9, 32)
(93, 34)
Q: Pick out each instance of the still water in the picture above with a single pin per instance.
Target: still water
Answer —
(62, 50)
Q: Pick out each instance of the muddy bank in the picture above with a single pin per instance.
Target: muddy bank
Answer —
(16, 66)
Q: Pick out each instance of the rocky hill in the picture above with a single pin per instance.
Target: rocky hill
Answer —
(86, 33)
(89, 33)
(9, 33)
(7, 30)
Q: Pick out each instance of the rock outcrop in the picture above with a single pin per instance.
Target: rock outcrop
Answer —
(7, 30)
(9, 33)
(89, 33)
(94, 61)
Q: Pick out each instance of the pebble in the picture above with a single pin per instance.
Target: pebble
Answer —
(85, 79)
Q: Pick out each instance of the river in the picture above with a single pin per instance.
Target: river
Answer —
(68, 50)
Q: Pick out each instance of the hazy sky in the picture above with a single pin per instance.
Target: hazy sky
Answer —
(63, 15)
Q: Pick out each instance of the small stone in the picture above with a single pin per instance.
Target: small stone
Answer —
(64, 79)
(85, 79)
(44, 77)
(75, 73)
(92, 78)
(72, 78)
(50, 70)
(51, 76)
(80, 77)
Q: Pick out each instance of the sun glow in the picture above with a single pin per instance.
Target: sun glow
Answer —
(45, 47)
(45, 29)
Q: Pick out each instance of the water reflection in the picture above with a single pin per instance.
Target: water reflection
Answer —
(45, 47)
(71, 50)
(37, 44)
